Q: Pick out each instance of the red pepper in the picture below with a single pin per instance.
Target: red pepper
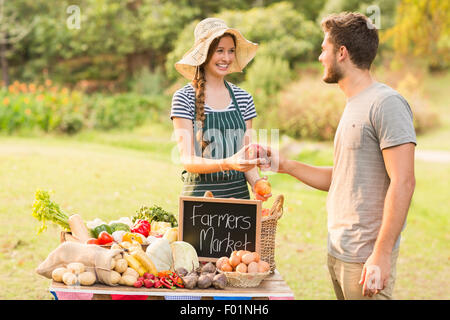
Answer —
(176, 280)
(141, 226)
(167, 283)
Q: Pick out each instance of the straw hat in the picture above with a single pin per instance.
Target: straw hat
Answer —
(205, 32)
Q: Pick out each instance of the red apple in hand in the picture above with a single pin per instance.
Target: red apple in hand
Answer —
(254, 151)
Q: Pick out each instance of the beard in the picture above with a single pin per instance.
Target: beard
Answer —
(334, 74)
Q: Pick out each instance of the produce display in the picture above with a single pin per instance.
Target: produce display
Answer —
(144, 252)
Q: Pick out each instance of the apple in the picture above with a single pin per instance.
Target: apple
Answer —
(255, 151)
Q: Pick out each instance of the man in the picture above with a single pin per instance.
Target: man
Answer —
(372, 179)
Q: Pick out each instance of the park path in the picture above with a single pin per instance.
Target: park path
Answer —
(438, 156)
(293, 148)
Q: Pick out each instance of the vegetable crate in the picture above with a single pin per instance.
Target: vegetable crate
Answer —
(269, 231)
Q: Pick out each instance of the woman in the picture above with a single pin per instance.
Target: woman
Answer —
(211, 116)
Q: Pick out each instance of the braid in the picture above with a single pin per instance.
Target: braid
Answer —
(199, 85)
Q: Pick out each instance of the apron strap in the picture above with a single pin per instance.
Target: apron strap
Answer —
(234, 99)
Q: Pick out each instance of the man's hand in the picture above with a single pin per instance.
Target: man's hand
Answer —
(375, 274)
(276, 161)
(239, 161)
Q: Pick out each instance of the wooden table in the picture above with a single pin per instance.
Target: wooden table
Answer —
(272, 286)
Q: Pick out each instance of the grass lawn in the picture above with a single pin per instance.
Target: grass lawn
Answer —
(110, 175)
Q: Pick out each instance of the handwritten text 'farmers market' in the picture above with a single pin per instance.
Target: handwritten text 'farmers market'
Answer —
(227, 221)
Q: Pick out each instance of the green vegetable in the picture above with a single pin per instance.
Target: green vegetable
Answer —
(155, 213)
(118, 226)
(103, 227)
(46, 210)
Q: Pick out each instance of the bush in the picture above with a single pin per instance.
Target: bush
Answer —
(47, 107)
(263, 80)
(310, 109)
(51, 108)
(280, 30)
(124, 111)
(411, 88)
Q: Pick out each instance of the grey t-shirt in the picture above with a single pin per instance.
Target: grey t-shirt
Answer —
(376, 118)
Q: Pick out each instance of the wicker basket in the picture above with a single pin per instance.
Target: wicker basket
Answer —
(269, 231)
(244, 280)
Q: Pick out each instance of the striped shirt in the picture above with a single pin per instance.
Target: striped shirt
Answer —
(183, 103)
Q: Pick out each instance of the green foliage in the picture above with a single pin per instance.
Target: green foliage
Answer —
(422, 31)
(310, 109)
(113, 28)
(281, 32)
(125, 110)
(264, 79)
(148, 83)
(46, 107)
(50, 108)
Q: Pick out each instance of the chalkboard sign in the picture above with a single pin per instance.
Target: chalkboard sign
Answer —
(217, 227)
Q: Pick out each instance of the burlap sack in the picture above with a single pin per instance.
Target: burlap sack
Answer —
(95, 258)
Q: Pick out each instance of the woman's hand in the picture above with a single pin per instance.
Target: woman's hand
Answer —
(257, 195)
(240, 162)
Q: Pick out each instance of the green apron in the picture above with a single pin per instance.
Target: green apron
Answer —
(225, 130)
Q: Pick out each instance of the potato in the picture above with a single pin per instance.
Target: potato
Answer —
(69, 279)
(118, 256)
(116, 246)
(242, 268)
(131, 272)
(253, 267)
(247, 258)
(57, 274)
(113, 264)
(125, 244)
(115, 277)
(87, 278)
(263, 266)
(76, 267)
(121, 265)
(127, 280)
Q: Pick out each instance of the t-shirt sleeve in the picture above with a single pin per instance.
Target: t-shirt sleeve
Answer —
(181, 108)
(393, 122)
(250, 110)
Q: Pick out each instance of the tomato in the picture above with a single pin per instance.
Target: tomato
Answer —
(92, 241)
(262, 187)
(104, 238)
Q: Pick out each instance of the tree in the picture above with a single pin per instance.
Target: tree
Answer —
(11, 33)
(422, 30)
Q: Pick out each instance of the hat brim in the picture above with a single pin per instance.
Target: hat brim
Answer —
(195, 56)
